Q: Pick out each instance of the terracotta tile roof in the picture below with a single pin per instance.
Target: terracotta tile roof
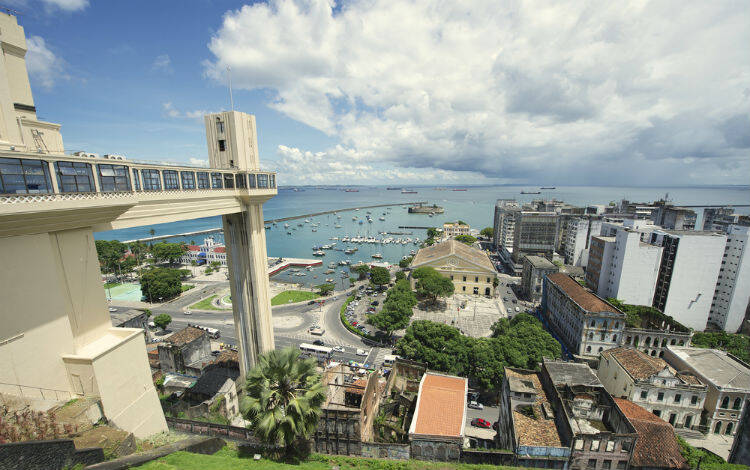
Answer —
(638, 364)
(440, 406)
(194, 248)
(184, 336)
(220, 249)
(227, 358)
(539, 431)
(656, 445)
(452, 247)
(580, 295)
(357, 387)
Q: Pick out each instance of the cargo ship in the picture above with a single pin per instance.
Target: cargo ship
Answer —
(531, 192)
(392, 189)
(547, 187)
(351, 190)
(408, 191)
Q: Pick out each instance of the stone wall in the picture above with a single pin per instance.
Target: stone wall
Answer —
(47, 455)
(438, 450)
(377, 450)
(488, 457)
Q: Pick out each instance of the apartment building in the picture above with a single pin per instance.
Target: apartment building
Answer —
(675, 218)
(621, 264)
(504, 223)
(719, 219)
(728, 381)
(731, 300)
(534, 233)
(578, 233)
(585, 324)
(535, 268)
(675, 396)
(688, 271)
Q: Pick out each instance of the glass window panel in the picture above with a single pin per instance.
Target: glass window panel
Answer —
(216, 181)
(241, 180)
(74, 177)
(273, 181)
(170, 179)
(188, 179)
(228, 180)
(203, 181)
(151, 180)
(106, 170)
(136, 180)
(113, 178)
(251, 181)
(263, 180)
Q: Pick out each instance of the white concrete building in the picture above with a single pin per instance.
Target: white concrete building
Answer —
(622, 265)
(675, 396)
(577, 239)
(690, 266)
(732, 295)
(504, 223)
(206, 253)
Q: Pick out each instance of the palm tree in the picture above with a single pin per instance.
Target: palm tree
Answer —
(283, 397)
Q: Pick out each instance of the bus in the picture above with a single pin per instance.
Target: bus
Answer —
(389, 359)
(212, 332)
(322, 353)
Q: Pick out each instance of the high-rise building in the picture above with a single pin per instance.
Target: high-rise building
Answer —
(578, 235)
(675, 218)
(534, 233)
(718, 219)
(688, 271)
(732, 296)
(504, 223)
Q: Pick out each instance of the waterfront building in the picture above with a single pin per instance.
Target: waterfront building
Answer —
(675, 218)
(51, 203)
(438, 425)
(504, 223)
(719, 219)
(675, 396)
(578, 233)
(621, 264)
(534, 233)
(584, 323)
(535, 268)
(731, 301)
(469, 268)
(689, 268)
(452, 230)
(634, 210)
(728, 381)
(657, 447)
(206, 253)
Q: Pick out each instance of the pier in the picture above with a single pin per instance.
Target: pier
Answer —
(285, 263)
(271, 221)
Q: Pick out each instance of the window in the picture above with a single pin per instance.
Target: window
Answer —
(725, 402)
(677, 398)
(610, 446)
(614, 338)
(476, 278)
(216, 181)
(625, 448)
(203, 181)
(660, 396)
(136, 180)
(228, 180)
(737, 403)
(272, 179)
(588, 349)
(170, 179)
(657, 413)
(74, 177)
(188, 179)
(621, 465)
(241, 180)
(606, 464)
(222, 145)
(21, 176)
(578, 444)
(591, 464)
(717, 428)
(251, 181)
(488, 280)
(694, 400)
(464, 278)
(463, 288)
(672, 418)
(219, 127)
(151, 180)
(263, 181)
(595, 445)
(729, 429)
(113, 178)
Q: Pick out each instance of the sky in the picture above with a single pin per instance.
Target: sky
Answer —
(631, 93)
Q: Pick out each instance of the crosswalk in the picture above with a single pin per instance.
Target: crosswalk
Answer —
(307, 337)
(377, 355)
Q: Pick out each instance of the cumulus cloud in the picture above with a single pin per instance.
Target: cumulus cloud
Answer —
(66, 5)
(572, 91)
(198, 161)
(162, 63)
(169, 111)
(43, 65)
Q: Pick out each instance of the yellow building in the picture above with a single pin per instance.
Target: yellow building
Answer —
(451, 230)
(470, 269)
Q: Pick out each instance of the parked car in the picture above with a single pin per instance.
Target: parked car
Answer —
(481, 423)
(375, 303)
(319, 342)
(361, 352)
(312, 302)
(338, 348)
(354, 323)
(476, 405)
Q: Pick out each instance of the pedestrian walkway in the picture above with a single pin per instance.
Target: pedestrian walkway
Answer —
(379, 355)
(308, 338)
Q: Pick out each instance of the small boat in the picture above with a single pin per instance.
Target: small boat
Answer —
(330, 279)
(381, 218)
(360, 222)
(329, 271)
(377, 256)
(408, 191)
(531, 192)
(319, 253)
(314, 230)
(369, 221)
(392, 189)
(459, 189)
(337, 226)
(350, 251)
(286, 225)
(351, 190)
(332, 265)
(547, 187)
(268, 227)
(288, 233)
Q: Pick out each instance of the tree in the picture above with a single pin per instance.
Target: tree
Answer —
(468, 239)
(161, 283)
(380, 276)
(405, 262)
(432, 232)
(216, 265)
(400, 275)
(168, 251)
(441, 347)
(152, 232)
(392, 317)
(325, 289)
(432, 284)
(162, 320)
(361, 270)
(461, 222)
(487, 232)
(110, 253)
(283, 398)
(148, 312)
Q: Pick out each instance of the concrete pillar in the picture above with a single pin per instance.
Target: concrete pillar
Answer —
(247, 262)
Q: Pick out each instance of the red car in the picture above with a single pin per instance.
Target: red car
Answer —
(354, 323)
(481, 423)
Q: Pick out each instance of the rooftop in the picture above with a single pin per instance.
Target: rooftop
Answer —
(441, 406)
(118, 318)
(185, 336)
(638, 364)
(656, 445)
(539, 262)
(571, 373)
(539, 430)
(453, 247)
(585, 299)
(715, 366)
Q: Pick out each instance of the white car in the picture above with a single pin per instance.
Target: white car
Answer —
(338, 348)
(112, 309)
(362, 352)
(476, 405)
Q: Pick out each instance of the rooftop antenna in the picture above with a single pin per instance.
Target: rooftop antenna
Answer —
(229, 77)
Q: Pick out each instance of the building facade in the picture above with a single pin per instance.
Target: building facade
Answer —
(731, 300)
(676, 397)
(535, 268)
(534, 233)
(719, 219)
(584, 323)
(504, 223)
(186, 351)
(469, 268)
(728, 381)
(451, 230)
(675, 218)
(578, 235)
(207, 253)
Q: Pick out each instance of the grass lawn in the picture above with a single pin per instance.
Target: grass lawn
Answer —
(110, 285)
(291, 296)
(206, 304)
(187, 287)
(227, 459)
